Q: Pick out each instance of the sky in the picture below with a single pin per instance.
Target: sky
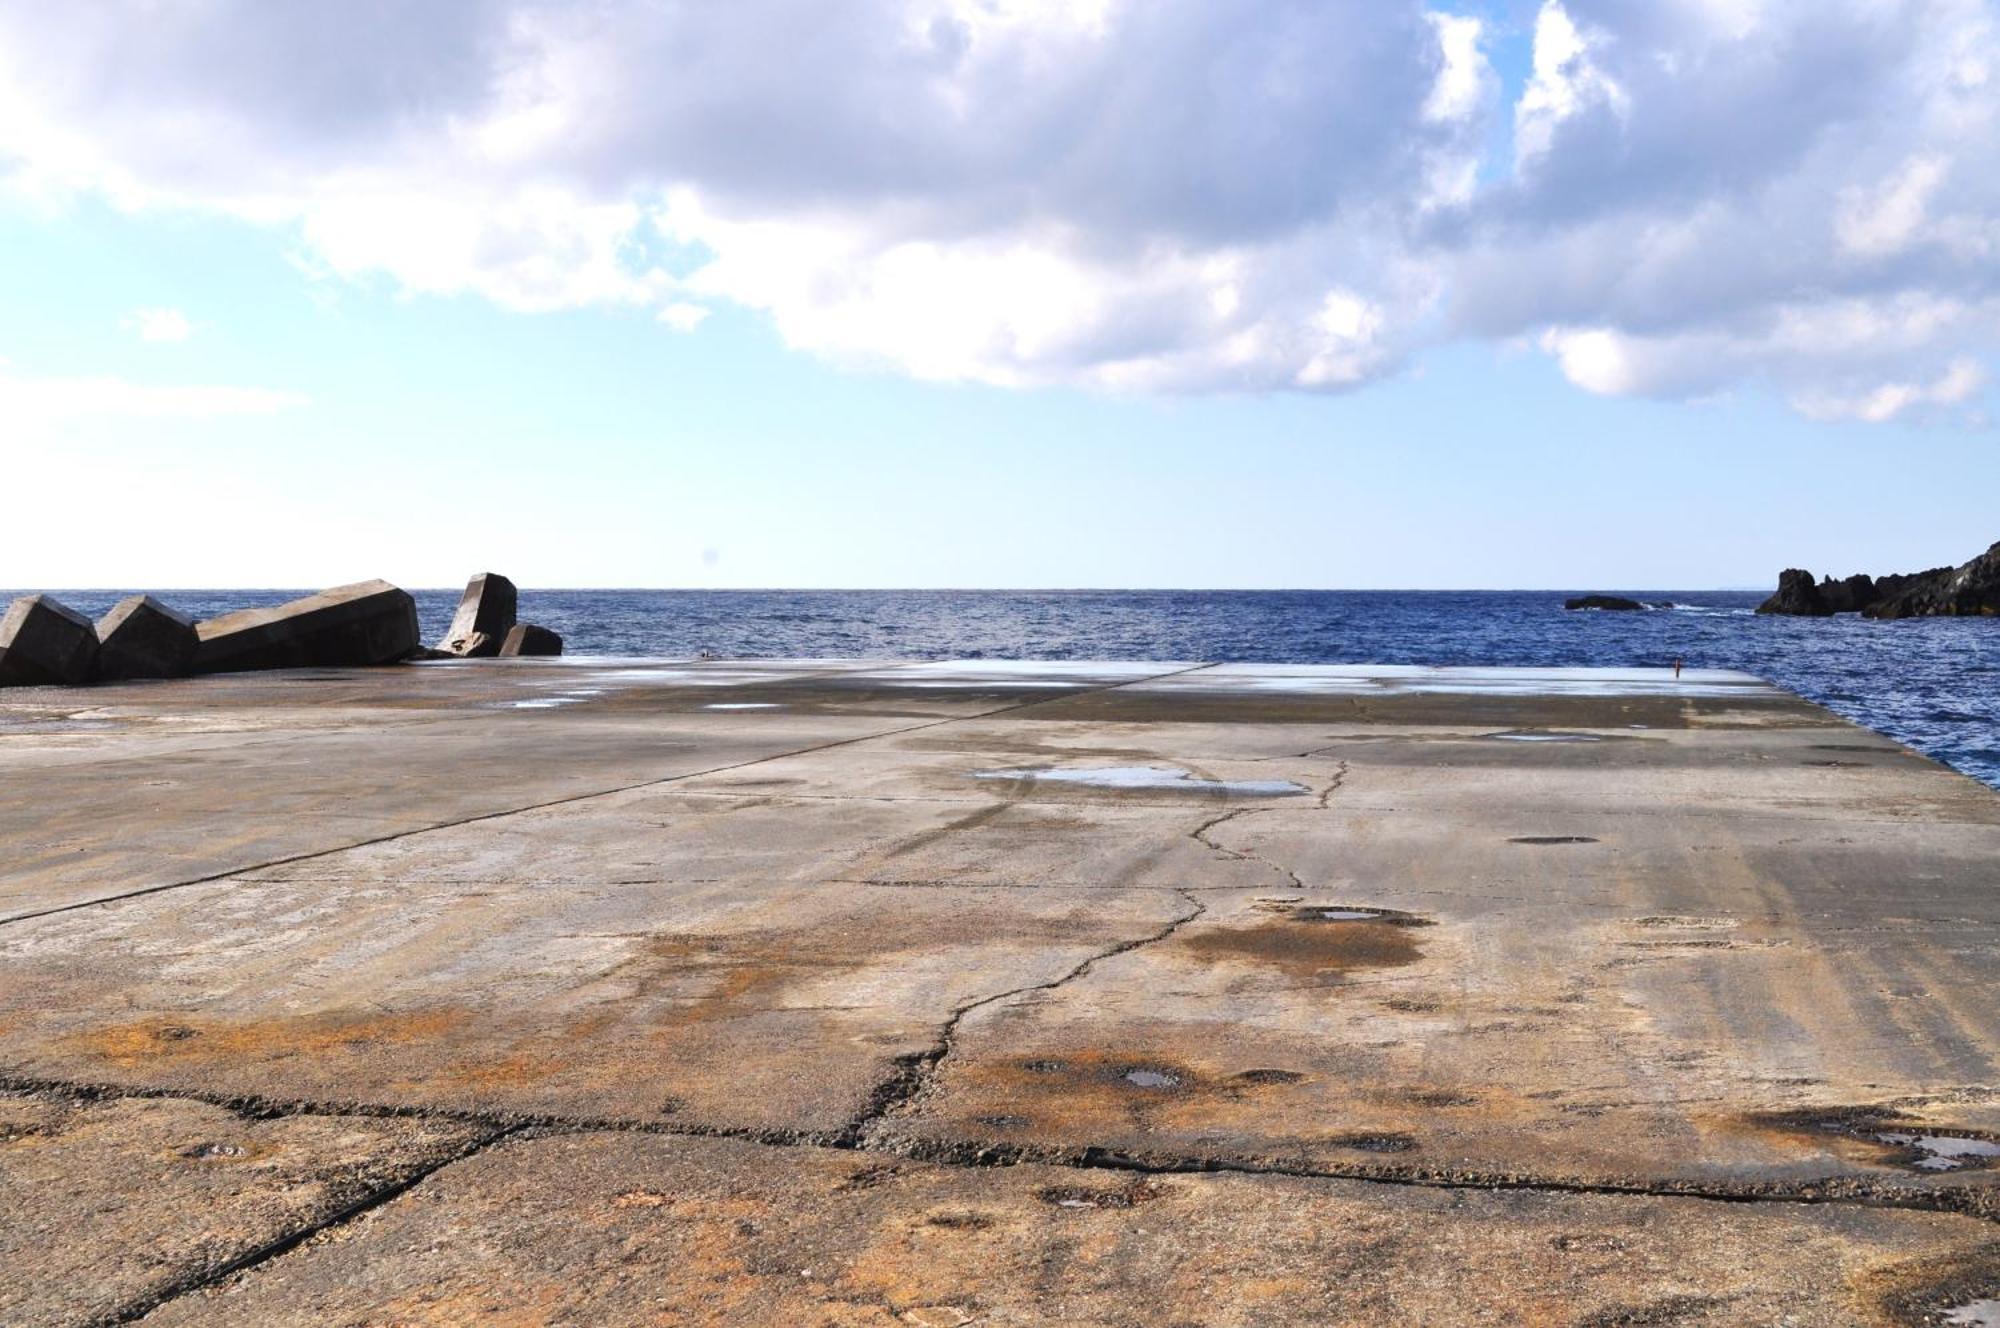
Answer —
(1028, 293)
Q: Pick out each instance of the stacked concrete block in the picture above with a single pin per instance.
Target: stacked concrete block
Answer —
(527, 639)
(143, 638)
(370, 622)
(485, 616)
(44, 641)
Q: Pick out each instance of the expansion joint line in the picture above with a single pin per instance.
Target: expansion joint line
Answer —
(1859, 1192)
(570, 799)
(278, 1246)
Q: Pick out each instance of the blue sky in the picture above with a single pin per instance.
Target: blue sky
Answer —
(219, 369)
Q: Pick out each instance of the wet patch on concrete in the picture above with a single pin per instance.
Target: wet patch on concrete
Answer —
(1552, 839)
(1310, 940)
(1147, 778)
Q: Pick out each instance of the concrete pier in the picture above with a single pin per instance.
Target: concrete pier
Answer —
(862, 993)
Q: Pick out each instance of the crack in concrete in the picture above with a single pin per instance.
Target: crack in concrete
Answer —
(278, 1246)
(916, 1074)
(394, 836)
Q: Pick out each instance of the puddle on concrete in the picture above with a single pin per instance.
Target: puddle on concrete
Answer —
(1142, 1077)
(1552, 839)
(1348, 914)
(743, 705)
(1941, 1152)
(1545, 737)
(1974, 1314)
(1148, 777)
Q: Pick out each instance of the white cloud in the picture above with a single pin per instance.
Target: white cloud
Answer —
(1118, 194)
(1959, 383)
(43, 401)
(158, 325)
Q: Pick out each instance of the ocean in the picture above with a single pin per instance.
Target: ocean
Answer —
(1931, 683)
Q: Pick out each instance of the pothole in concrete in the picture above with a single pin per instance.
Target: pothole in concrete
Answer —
(1141, 1076)
(1552, 839)
(1375, 1143)
(1270, 1077)
(1147, 777)
(1941, 1152)
(1545, 737)
(205, 1152)
(1083, 1196)
(1356, 913)
(1974, 1314)
(1348, 914)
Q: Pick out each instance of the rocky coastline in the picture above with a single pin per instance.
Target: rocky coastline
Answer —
(1971, 589)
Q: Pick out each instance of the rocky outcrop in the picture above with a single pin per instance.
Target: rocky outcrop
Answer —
(1798, 595)
(1607, 602)
(370, 622)
(1973, 589)
(485, 616)
(528, 639)
(143, 638)
(42, 641)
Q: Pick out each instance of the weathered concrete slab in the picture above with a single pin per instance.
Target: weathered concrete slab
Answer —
(44, 641)
(142, 638)
(622, 1229)
(112, 1205)
(1611, 938)
(484, 617)
(369, 622)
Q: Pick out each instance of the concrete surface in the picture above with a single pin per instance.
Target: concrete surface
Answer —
(595, 991)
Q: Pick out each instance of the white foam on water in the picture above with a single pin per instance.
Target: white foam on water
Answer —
(1149, 777)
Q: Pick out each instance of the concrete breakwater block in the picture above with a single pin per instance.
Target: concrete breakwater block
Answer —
(143, 638)
(43, 640)
(370, 622)
(485, 616)
(527, 639)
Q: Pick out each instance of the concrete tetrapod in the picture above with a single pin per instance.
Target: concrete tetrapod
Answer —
(527, 639)
(485, 616)
(369, 622)
(143, 638)
(43, 640)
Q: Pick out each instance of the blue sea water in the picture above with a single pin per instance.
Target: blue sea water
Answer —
(1932, 683)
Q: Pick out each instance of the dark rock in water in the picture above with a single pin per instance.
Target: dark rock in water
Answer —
(1618, 602)
(1972, 590)
(43, 640)
(143, 638)
(1852, 595)
(1798, 595)
(485, 616)
(527, 639)
(370, 622)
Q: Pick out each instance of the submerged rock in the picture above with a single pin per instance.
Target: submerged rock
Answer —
(1607, 602)
(527, 639)
(370, 622)
(42, 641)
(143, 638)
(485, 616)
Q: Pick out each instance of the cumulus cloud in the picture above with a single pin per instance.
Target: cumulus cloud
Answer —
(1683, 194)
(158, 325)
